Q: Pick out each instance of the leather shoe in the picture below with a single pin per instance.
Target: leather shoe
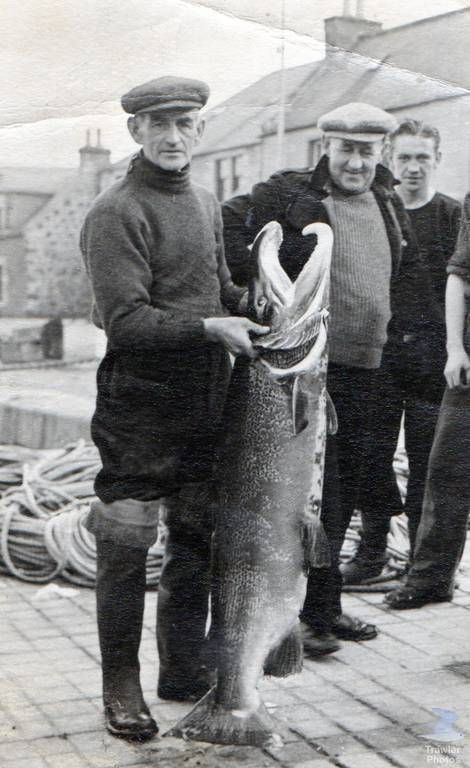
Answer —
(126, 725)
(357, 571)
(351, 628)
(318, 643)
(410, 597)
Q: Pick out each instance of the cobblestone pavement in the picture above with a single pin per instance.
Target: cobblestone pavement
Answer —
(368, 706)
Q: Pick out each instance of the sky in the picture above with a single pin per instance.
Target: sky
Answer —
(67, 62)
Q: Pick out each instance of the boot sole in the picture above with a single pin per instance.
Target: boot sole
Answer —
(131, 734)
(312, 654)
(418, 603)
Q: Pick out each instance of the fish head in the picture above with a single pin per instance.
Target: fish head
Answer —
(296, 311)
(269, 286)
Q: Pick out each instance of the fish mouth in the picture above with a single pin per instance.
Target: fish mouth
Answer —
(297, 310)
(286, 358)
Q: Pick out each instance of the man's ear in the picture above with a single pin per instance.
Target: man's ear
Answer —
(325, 144)
(438, 157)
(386, 152)
(133, 126)
(200, 130)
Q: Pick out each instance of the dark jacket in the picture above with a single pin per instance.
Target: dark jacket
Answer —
(294, 198)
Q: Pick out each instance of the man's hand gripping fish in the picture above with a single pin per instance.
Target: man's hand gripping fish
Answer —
(271, 472)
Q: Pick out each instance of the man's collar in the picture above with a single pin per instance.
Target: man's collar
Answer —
(320, 177)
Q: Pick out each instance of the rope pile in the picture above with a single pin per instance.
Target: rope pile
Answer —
(44, 498)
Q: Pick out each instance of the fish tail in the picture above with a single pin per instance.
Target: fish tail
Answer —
(209, 721)
(315, 544)
(287, 657)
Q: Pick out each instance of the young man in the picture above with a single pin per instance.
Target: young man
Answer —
(153, 248)
(407, 386)
(442, 530)
(376, 274)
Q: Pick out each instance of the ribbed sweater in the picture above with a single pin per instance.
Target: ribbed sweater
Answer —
(360, 280)
(153, 248)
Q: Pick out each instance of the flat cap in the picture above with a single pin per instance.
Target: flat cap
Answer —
(358, 121)
(164, 94)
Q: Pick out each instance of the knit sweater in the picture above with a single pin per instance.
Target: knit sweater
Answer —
(436, 226)
(360, 280)
(153, 248)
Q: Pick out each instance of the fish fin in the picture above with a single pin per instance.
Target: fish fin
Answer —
(287, 657)
(315, 544)
(332, 416)
(299, 407)
(208, 721)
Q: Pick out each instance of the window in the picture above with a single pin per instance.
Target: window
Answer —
(227, 176)
(3, 283)
(314, 152)
(5, 212)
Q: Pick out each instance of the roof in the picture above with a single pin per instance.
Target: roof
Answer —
(436, 46)
(40, 181)
(344, 76)
(237, 121)
(393, 69)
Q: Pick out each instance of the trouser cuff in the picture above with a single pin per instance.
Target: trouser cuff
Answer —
(127, 522)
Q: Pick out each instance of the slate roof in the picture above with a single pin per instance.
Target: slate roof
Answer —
(426, 60)
(344, 76)
(237, 121)
(45, 181)
(436, 46)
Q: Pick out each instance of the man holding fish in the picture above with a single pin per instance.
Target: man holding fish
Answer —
(153, 248)
(379, 288)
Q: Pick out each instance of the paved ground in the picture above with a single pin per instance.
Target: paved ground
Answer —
(367, 706)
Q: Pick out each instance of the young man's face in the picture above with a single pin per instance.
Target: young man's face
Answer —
(352, 163)
(168, 139)
(415, 162)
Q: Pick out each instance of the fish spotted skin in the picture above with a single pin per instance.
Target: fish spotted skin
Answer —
(270, 483)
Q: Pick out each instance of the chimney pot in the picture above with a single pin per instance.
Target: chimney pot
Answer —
(345, 31)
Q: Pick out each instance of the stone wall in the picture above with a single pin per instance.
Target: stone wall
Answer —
(13, 286)
(55, 276)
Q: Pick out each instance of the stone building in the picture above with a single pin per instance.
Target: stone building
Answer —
(41, 213)
(419, 70)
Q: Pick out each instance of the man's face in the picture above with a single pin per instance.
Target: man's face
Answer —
(352, 163)
(168, 139)
(415, 162)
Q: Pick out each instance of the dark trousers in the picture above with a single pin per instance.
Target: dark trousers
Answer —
(379, 498)
(442, 531)
(351, 390)
(185, 582)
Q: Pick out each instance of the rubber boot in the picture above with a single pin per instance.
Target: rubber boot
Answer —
(183, 601)
(120, 596)
(371, 555)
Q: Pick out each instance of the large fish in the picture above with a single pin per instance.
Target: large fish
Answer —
(271, 471)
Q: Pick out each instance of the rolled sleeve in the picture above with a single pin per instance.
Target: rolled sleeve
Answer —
(459, 262)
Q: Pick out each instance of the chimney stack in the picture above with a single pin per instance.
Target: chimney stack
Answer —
(94, 159)
(344, 31)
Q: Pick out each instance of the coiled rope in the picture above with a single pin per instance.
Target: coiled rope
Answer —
(45, 496)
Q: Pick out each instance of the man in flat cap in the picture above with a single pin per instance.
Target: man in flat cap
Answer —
(153, 248)
(378, 286)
